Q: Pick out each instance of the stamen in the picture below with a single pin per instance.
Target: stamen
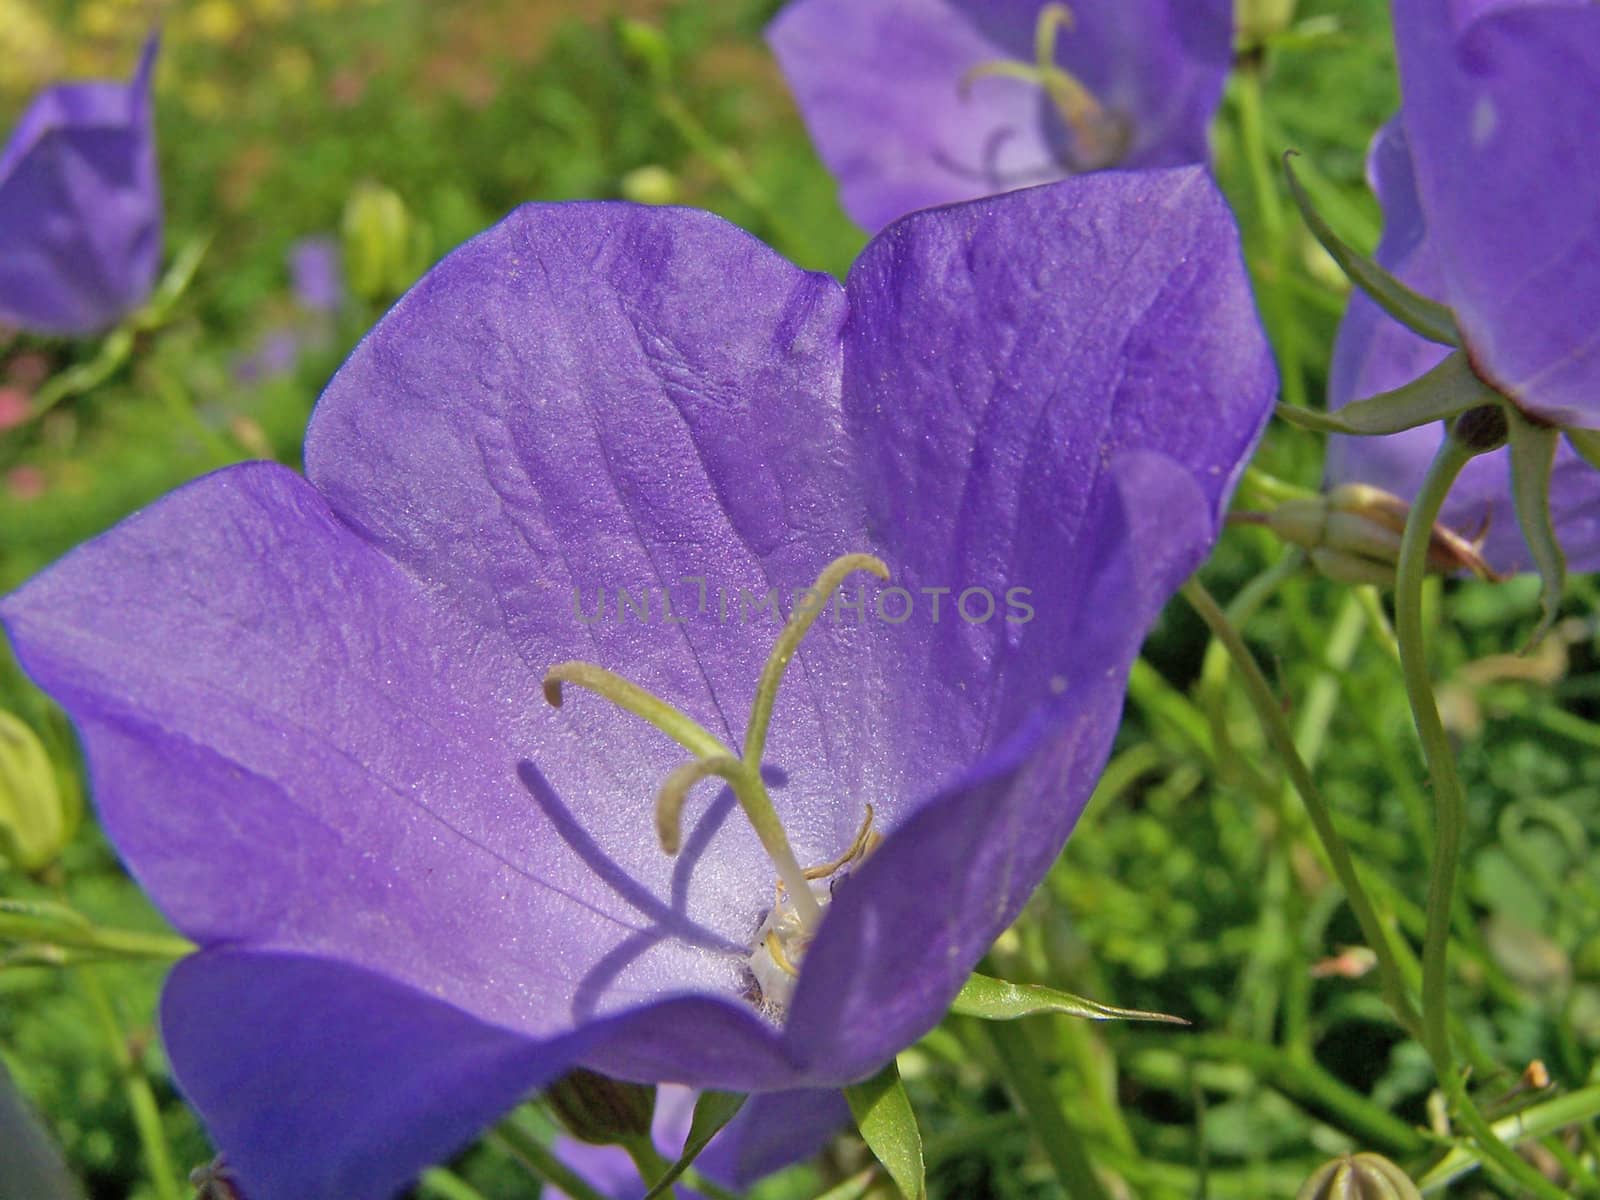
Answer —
(775, 948)
(800, 621)
(860, 846)
(630, 697)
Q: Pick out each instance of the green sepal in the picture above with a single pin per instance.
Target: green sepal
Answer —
(1586, 442)
(888, 1125)
(1533, 455)
(1448, 390)
(1424, 317)
(712, 1111)
(991, 999)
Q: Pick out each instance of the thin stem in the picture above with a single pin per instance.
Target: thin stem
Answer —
(136, 1086)
(541, 1163)
(1279, 735)
(446, 1185)
(1450, 808)
(648, 1162)
(1024, 1075)
(1308, 1084)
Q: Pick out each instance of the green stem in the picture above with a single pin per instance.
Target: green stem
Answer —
(1536, 1121)
(136, 1086)
(1276, 727)
(650, 1165)
(538, 1160)
(1450, 808)
(1022, 1070)
(440, 1184)
(1308, 1084)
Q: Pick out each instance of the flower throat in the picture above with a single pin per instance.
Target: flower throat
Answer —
(1100, 137)
(791, 923)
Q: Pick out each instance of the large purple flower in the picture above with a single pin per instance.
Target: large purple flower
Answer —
(914, 103)
(312, 708)
(80, 206)
(1492, 206)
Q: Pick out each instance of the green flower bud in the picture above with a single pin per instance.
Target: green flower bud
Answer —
(1353, 535)
(35, 820)
(650, 185)
(384, 247)
(1362, 1176)
(603, 1111)
(645, 47)
(1255, 21)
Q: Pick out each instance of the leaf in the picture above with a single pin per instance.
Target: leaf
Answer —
(712, 1111)
(1587, 443)
(1533, 453)
(993, 999)
(1448, 390)
(1424, 317)
(885, 1118)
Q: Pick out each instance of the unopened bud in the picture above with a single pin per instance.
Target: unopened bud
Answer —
(384, 249)
(1353, 534)
(1481, 429)
(645, 47)
(600, 1110)
(1255, 21)
(35, 822)
(650, 185)
(1364, 1176)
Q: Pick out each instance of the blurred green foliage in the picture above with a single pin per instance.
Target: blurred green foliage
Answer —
(1193, 886)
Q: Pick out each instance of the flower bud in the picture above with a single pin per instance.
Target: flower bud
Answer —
(1255, 21)
(35, 822)
(1364, 1176)
(1353, 535)
(650, 185)
(599, 1110)
(384, 248)
(645, 47)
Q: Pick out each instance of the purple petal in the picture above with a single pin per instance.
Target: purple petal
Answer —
(879, 84)
(80, 206)
(1499, 105)
(242, 1027)
(1375, 354)
(1053, 390)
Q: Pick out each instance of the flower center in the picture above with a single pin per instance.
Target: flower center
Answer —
(802, 892)
(1100, 137)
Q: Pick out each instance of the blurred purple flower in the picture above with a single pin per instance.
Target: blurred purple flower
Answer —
(276, 354)
(770, 1132)
(80, 206)
(1491, 208)
(315, 275)
(312, 709)
(888, 90)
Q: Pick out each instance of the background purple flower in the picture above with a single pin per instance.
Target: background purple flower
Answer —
(879, 83)
(80, 206)
(315, 274)
(1498, 103)
(312, 713)
(1375, 354)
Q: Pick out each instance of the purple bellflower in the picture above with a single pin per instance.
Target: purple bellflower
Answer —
(915, 103)
(604, 438)
(1491, 203)
(80, 206)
